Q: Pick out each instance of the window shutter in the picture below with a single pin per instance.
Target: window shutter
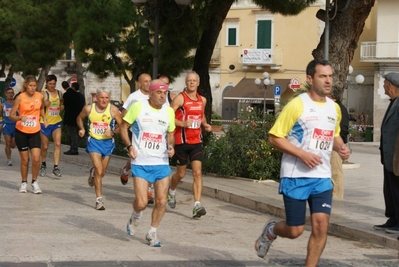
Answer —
(232, 38)
(264, 34)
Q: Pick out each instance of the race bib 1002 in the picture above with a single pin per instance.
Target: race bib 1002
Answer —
(322, 139)
(99, 127)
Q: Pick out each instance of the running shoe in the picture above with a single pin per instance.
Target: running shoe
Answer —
(124, 177)
(57, 172)
(36, 188)
(198, 211)
(100, 204)
(150, 197)
(263, 243)
(9, 163)
(171, 200)
(90, 181)
(23, 187)
(152, 239)
(43, 171)
(132, 224)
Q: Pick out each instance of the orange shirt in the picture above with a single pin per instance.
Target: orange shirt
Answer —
(30, 107)
(191, 110)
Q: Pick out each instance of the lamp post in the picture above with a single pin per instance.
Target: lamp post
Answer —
(359, 79)
(267, 80)
(155, 7)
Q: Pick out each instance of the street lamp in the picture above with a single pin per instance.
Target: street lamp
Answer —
(359, 79)
(154, 7)
(266, 82)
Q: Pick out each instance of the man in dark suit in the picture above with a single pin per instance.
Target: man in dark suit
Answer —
(72, 106)
(389, 132)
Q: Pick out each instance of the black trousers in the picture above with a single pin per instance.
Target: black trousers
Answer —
(73, 134)
(391, 196)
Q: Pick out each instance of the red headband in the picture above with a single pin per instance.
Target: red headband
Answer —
(158, 86)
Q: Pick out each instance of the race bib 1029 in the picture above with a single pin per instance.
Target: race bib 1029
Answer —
(322, 139)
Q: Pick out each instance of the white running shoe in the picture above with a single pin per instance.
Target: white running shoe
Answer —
(152, 239)
(23, 188)
(36, 188)
(263, 243)
(9, 163)
(132, 224)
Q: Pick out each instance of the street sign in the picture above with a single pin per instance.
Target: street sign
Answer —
(13, 82)
(277, 90)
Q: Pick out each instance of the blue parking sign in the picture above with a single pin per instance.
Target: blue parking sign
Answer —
(13, 82)
(277, 90)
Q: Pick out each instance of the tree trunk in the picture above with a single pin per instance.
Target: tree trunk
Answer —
(79, 74)
(42, 77)
(205, 49)
(345, 29)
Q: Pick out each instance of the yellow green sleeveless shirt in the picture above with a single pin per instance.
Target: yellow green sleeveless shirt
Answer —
(52, 112)
(98, 122)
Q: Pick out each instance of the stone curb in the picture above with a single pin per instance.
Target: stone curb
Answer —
(272, 207)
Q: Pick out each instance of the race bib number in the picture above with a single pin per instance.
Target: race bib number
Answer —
(196, 121)
(7, 111)
(152, 140)
(99, 127)
(322, 139)
(54, 111)
(30, 121)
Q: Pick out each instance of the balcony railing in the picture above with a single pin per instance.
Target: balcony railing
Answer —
(379, 52)
(216, 57)
(261, 57)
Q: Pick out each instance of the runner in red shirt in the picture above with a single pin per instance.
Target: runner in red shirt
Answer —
(189, 107)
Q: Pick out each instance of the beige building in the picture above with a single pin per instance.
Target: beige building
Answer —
(253, 41)
(380, 50)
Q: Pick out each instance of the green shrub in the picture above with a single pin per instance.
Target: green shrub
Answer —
(244, 149)
(214, 117)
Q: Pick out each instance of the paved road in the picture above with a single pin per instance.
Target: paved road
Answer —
(61, 228)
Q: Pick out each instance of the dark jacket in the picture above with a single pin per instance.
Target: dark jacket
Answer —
(389, 131)
(72, 105)
(344, 122)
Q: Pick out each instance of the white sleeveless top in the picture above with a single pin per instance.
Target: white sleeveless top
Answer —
(149, 136)
(313, 132)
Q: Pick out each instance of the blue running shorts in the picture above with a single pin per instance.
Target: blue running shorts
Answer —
(151, 173)
(9, 129)
(48, 131)
(103, 147)
(295, 209)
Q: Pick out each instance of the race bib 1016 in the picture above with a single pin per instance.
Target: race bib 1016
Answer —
(322, 139)
(152, 140)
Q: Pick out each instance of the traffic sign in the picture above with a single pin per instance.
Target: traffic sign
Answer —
(13, 82)
(277, 90)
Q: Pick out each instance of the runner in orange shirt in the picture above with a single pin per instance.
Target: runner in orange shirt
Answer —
(30, 107)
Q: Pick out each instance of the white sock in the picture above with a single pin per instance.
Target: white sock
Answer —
(197, 203)
(98, 199)
(172, 192)
(135, 215)
(126, 172)
(270, 232)
(153, 230)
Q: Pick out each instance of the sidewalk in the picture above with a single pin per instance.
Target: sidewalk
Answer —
(352, 218)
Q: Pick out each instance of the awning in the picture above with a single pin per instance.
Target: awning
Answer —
(246, 91)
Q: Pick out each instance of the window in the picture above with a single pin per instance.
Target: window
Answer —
(232, 33)
(264, 34)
